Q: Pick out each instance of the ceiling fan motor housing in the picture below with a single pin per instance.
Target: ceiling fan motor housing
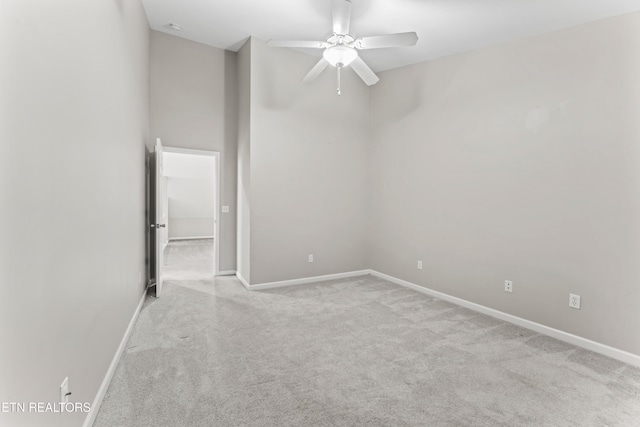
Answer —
(346, 39)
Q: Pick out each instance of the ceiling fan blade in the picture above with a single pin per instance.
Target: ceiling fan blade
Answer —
(316, 70)
(362, 69)
(389, 40)
(341, 12)
(298, 43)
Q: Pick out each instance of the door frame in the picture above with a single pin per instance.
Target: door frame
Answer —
(216, 199)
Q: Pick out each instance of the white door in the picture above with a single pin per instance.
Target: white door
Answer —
(161, 216)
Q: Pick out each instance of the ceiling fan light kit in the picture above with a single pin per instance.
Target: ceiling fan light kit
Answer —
(340, 55)
(341, 48)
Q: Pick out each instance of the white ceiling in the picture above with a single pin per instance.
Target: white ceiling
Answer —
(444, 27)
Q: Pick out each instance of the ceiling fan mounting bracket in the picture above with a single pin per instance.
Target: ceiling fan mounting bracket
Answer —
(343, 39)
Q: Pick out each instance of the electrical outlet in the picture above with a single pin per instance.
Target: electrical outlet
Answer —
(310, 257)
(574, 301)
(508, 286)
(225, 209)
(419, 265)
(64, 390)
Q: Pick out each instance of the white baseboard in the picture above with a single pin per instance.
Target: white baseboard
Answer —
(95, 406)
(242, 280)
(190, 238)
(303, 281)
(614, 353)
(226, 273)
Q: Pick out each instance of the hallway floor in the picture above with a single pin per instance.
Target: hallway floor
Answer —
(352, 352)
(188, 260)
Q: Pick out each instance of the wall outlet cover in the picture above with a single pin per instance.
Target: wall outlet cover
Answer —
(508, 286)
(574, 301)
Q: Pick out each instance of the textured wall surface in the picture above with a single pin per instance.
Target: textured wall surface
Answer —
(193, 104)
(518, 162)
(73, 129)
(308, 154)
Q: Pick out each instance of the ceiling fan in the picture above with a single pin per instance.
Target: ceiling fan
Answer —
(341, 47)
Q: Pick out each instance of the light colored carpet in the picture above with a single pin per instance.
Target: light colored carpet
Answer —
(188, 260)
(357, 352)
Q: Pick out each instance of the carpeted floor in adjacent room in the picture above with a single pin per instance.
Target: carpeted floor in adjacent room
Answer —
(353, 352)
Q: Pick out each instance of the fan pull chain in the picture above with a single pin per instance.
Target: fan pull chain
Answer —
(339, 67)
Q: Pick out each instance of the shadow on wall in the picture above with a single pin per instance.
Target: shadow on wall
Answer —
(119, 4)
(228, 165)
(230, 100)
(425, 81)
(403, 100)
(281, 77)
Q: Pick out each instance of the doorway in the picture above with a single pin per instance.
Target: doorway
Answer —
(190, 188)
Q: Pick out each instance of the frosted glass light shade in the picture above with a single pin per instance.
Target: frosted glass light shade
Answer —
(340, 54)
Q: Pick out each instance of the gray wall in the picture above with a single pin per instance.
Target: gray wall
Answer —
(73, 129)
(181, 228)
(308, 156)
(244, 161)
(517, 162)
(193, 104)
